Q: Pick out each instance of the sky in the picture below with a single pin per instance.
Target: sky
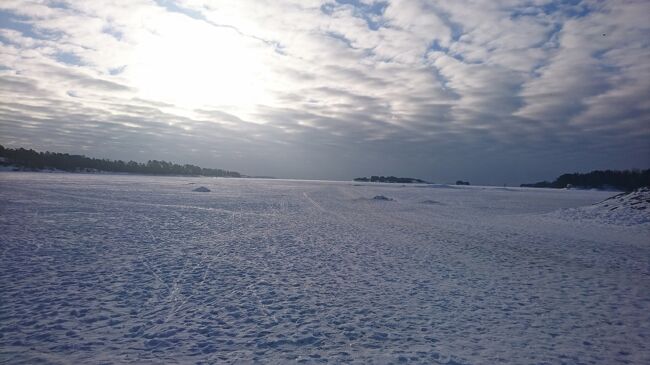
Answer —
(494, 92)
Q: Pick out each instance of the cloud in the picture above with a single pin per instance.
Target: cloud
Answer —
(333, 89)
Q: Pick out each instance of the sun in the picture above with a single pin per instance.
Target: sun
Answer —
(193, 64)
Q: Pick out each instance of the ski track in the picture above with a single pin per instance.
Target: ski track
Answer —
(119, 269)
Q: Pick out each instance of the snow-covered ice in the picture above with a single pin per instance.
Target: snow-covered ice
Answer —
(133, 269)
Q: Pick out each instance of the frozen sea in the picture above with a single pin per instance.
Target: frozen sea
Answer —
(120, 269)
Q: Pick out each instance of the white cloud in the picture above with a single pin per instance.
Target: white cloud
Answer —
(411, 79)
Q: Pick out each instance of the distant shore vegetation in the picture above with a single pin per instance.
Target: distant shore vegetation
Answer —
(33, 160)
(626, 180)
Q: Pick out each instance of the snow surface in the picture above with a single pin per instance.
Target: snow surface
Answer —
(134, 269)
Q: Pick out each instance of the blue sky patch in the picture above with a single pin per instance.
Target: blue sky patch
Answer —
(19, 23)
(68, 58)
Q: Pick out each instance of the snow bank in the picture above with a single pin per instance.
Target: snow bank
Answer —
(626, 209)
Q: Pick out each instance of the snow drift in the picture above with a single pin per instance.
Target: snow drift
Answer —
(625, 209)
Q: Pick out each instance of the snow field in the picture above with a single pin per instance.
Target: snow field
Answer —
(132, 269)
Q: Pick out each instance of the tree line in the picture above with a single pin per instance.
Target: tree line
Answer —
(626, 180)
(73, 163)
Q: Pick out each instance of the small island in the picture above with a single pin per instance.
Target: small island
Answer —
(391, 179)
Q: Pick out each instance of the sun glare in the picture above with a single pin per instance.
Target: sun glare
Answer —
(195, 66)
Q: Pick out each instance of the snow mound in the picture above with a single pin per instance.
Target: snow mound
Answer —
(431, 202)
(626, 209)
(202, 189)
(381, 197)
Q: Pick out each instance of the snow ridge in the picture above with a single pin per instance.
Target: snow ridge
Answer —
(625, 209)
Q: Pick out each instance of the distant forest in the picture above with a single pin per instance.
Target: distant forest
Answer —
(75, 163)
(626, 180)
(390, 179)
